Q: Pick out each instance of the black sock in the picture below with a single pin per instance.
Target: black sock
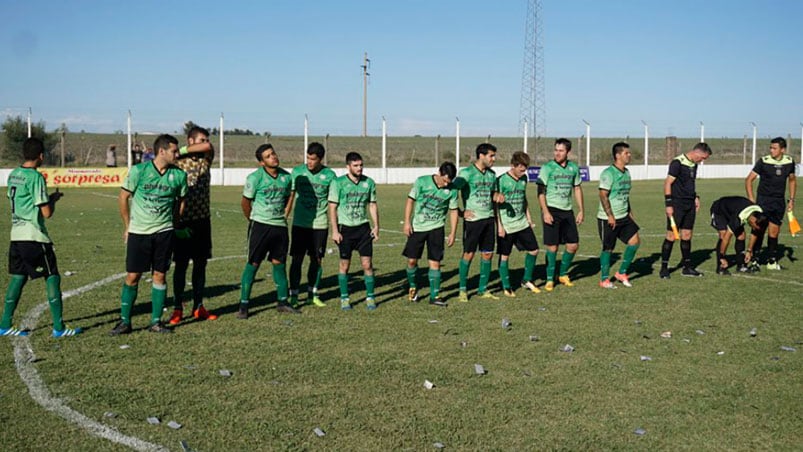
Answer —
(198, 283)
(720, 256)
(685, 251)
(179, 280)
(666, 252)
(772, 247)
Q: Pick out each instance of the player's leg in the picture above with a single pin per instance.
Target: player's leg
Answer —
(365, 248)
(162, 250)
(413, 250)
(137, 261)
(315, 270)
(551, 236)
(54, 296)
(345, 248)
(486, 243)
(686, 225)
(302, 239)
(628, 233)
(722, 261)
(278, 239)
(257, 251)
(504, 246)
(202, 237)
(605, 233)
(666, 248)
(470, 242)
(434, 241)
(773, 231)
(525, 241)
(181, 264)
(19, 276)
(571, 237)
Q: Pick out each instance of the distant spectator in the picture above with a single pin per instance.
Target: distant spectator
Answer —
(136, 154)
(111, 156)
(148, 155)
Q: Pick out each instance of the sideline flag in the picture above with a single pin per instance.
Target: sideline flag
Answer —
(794, 226)
(674, 227)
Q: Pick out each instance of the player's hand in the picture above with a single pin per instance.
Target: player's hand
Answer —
(337, 237)
(499, 198)
(579, 219)
(670, 211)
(547, 218)
(468, 214)
(612, 221)
(183, 233)
(55, 196)
(748, 256)
(500, 231)
(450, 240)
(790, 205)
(723, 263)
(407, 229)
(696, 204)
(375, 234)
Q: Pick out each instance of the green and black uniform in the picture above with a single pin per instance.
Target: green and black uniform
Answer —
(513, 216)
(557, 183)
(616, 183)
(476, 188)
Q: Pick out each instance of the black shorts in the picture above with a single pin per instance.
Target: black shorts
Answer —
(625, 229)
(720, 223)
(311, 242)
(266, 241)
(356, 238)
(414, 247)
(480, 233)
(34, 259)
(199, 245)
(146, 252)
(684, 214)
(773, 208)
(524, 240)
(563, 228)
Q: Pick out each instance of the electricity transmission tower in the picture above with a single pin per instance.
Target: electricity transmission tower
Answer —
(532, 109)
(366, 64)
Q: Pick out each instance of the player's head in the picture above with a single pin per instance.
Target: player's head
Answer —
(621, 152)
(562, 149)
(699, 152)
(315, 153)
(448, 171)
(758, 221)
(267, 156)
(486, 155)
(519, 163)
(197, 135)
(354, 164)
(33, 149)
(777, 147)
(166, 148)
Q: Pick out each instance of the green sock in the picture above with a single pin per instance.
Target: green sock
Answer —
(485, 275)
(280, 278)
(343, 282)
(464, 266)
(12, 298)
(314, 274)
(604, 265)
(295, 274)
(158, 297)
(565, 262)
(551, 261)
(247, 281)
(369, 286)
(127, 299)
(504, 274)
(434, 283)
(411, 272)
(630, 253)
(54, 301)
(529, 267)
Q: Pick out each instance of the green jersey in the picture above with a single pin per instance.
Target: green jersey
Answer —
(617, 183)
(154, 196)
(431, 203)
(476, 188)
(559, 182)
(352, 198)
(269, 196)
(312, 190)
(27, 191)
(513, 212)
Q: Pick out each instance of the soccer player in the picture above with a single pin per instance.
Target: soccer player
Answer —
(682, 203)
(349, 196)
(773, 171)
(514, 224)
(615, 218)
(267, 199)
(557, 181)
(156, 191)
(194, 232)
(30, 252)
(729, 215)
(310, 222)
(476, 183)
(433, 197)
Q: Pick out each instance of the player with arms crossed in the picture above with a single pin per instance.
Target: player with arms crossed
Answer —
(433, 197)
(615, 218)
(729, 215)
(350, 195)
(557, 181)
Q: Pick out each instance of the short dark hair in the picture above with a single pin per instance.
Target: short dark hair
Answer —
(164, 141)
(520, 158)
(448, 169)
(262, 148)
(484, 148)
(761, 220)
(618, 148)
(197, 130)
(316, 149)
(702, 147)
(780, 141)
(353, 157)
(565, 142)
(32, 148)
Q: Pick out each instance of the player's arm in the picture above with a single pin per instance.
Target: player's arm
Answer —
(197, 148)
(668, 195)
(49, 208)
(333, 222)
(748, 185)
(289, 206)
(408, 212)
(792, 190)
(605, 202)
(246, 204)
(178, 212)
(578, 196)
(125, 210)
(542, 202)
(500, 230)
(373, 210)
(453, 225)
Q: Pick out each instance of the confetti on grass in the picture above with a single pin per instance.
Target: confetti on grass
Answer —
(320, 433)
(174, 425)
(788, 349)
(567, 348)
(479, 370)
(640, 431)
(225, 373)
(153, 420)
(428, 384)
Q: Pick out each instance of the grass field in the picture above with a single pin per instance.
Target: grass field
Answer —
(359, 376)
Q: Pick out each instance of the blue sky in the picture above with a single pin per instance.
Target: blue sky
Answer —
(265, 64)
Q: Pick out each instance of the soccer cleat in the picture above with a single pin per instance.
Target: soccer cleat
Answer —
(688, 271)
(607, 284)
(530, 286)
(744, 268)
(202, 314)
(287, 309)
(370, 304)
(549, 286)
(67, 332)
(159, 328)
(664, 273)
(120, 328)
(13, 332)
(754, 267)
(345, 304)
(509, 293)
(774, 265)
(565, 281)
(412, 294)
(438, 301)
(294, 301)
(242, 313)
(462, 297)
(175, 318)
(622, 278)
(318, 302)
(723, 271)
(489, 296)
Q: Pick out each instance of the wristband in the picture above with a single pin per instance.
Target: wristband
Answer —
(668, 200)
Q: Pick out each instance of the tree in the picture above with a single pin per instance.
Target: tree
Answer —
(189, 125)
(15, 132)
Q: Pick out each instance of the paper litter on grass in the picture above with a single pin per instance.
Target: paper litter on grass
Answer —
(318, 432)
(428, 384)
(153, 420)
(478, 369)
(174, 425)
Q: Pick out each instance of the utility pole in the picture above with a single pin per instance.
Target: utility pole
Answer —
(366, 64)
